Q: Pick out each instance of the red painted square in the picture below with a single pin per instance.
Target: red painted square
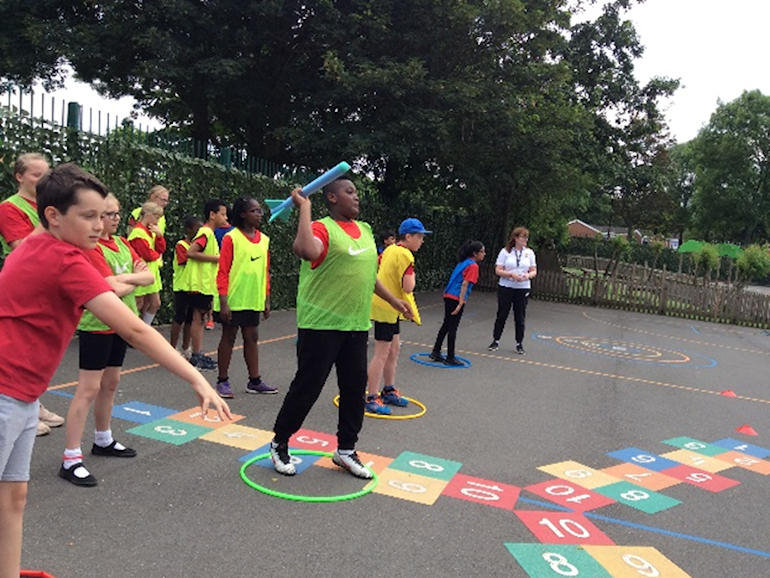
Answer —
(562, 528)
(701, 479)
(570, 495)
(482, 491)
(307, 439)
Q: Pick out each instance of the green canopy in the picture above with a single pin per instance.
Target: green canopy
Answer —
(690, 246)
(729, 250)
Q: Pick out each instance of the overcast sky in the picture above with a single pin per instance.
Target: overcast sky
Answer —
(714, 47)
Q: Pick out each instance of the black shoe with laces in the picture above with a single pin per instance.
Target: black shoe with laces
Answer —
(453, 361)
(437, 357)
(519, 349)
(494, 345)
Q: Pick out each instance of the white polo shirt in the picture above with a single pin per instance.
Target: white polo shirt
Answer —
(518, 262)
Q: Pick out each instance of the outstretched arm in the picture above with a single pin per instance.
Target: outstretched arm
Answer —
(109, 309)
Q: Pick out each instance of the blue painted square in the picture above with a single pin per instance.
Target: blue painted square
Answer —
(644, 459)
(301, 463)
(140, 412)
(740, 446)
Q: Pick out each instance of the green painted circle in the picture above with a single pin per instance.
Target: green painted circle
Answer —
(276, 494)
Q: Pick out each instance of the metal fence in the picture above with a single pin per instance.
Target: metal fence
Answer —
(42, 110)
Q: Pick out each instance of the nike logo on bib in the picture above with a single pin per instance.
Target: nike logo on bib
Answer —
(354, 252)
(255, 258)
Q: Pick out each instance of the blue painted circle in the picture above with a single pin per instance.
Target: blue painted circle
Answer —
(424, 359)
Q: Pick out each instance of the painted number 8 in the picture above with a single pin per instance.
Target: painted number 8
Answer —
(559, 564)
(426, 466)
(641, 565)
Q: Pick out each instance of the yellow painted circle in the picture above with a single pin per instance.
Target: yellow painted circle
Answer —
(395, 417)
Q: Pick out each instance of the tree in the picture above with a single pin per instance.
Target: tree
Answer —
(680, 184)
(32, 39)
(732, 186)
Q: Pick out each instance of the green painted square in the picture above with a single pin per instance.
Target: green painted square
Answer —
(638, 497)
(542, 560)
(428, 466)
(696, 446)
(170, 431)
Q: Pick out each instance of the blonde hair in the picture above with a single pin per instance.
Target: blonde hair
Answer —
(150, 208)
(155, 190)
(23, 161)
(112, 197)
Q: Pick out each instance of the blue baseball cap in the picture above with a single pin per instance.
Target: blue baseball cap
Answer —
(412, 225)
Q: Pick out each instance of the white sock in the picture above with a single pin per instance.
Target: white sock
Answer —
(148, 317)
(345, 452)
(72, 457)
(104, 439)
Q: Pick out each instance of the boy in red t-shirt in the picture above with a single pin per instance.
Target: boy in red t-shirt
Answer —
(38, 315)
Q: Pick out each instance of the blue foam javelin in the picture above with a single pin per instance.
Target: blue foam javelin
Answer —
(280, 209)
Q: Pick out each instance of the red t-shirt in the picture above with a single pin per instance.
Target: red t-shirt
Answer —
(14, 223)
(44, 285)
(143, 249)
(226, 263)
(320, 232)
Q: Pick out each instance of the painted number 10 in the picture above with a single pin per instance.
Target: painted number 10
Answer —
(569, 526)
(481, 491)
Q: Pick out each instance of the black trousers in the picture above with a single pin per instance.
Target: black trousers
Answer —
(508, 298)
(317, 351)
(449, 327)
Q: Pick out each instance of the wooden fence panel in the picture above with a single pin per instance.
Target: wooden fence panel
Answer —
(657, 292)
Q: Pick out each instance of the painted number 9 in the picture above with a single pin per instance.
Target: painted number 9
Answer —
(559, 564)
(407, 486)
(641, 565)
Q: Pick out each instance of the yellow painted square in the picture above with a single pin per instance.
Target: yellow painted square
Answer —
(579, 474)
(371, 461)
(746, 462)
(634, 561)
(640, 476)
(705, 463)
(398, 484)
(194, 416)
(239, 436)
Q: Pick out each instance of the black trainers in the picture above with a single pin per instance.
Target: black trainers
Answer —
(79, 478)
(279, 454)
(494, 345)
(453, 361)
(112, 451)
(437, 357)
(519, 349)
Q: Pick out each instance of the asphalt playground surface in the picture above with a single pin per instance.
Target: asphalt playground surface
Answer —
(452, 497)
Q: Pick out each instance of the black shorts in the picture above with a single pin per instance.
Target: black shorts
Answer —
(100, 350)
(200, 301)
(246, 318)
(385, 331)
(183, 309)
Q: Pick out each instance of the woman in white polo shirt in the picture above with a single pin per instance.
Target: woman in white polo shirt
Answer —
(515, 266)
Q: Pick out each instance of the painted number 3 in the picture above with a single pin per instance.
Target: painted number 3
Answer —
(167, 429)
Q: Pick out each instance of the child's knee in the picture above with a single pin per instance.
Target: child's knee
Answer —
(13, 497)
